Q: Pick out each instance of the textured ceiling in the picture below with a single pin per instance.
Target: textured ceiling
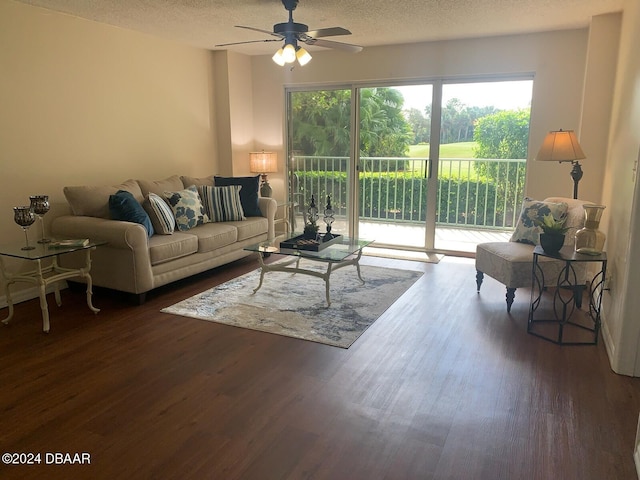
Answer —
(206, 23)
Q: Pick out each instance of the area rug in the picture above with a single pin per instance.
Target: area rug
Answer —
(294, 305)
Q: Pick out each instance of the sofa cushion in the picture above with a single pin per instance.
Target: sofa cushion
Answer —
(527, 229)
(93, 201)
(197, 181)
(122, 206)
(251, 227)
(248, 193)
(160, 213)
(222, 204)
(187, 208)
(212, 236)
(164, 248)
(169, 184)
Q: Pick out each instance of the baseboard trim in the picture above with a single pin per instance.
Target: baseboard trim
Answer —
(608, 340)
(27, 294)
(636, 451)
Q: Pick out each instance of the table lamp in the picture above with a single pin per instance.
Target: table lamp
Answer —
(263, 163)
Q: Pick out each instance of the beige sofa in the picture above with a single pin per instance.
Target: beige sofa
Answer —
(135, 263)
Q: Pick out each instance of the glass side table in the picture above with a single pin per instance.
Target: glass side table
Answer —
(45, 275)
(562, 320)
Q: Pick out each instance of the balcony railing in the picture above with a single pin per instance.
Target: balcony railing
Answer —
(483, 193)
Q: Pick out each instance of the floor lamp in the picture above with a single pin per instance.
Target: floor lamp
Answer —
(562, 146)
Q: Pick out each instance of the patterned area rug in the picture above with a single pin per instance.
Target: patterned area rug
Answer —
(294, 305)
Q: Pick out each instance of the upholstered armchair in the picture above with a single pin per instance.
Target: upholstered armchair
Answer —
(511, 262)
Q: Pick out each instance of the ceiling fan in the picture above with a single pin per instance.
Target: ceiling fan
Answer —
(292, 33)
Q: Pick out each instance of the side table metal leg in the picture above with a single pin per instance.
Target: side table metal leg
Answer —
(56, 292)
(90, 294)
(7, 293)
(44, 307)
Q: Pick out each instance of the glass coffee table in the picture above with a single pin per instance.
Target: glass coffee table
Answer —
(342, 252)
(44, 275)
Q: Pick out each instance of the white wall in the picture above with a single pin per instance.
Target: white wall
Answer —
(234, 112)
(620, 194)
(87, 103)
(556, 58)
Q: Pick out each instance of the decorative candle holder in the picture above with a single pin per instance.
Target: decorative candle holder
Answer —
(311, 227)
(328, 219)
(40, 206)
(24, 217)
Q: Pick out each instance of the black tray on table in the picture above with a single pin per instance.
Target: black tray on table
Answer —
(308, 244)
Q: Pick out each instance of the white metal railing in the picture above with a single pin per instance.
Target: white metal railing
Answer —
(483, 193)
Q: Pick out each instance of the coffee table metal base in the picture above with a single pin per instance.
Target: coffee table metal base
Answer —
(332, 266)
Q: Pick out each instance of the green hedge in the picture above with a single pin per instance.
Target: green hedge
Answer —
(400, 196)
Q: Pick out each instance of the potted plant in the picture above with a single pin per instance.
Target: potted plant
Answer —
(311, 230)
(553, 232)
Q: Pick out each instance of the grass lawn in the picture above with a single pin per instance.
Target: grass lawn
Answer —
(448, 150)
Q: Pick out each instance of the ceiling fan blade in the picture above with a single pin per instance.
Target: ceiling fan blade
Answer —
(347, 47)
(328, 32)
(249, 41)
(268, 32)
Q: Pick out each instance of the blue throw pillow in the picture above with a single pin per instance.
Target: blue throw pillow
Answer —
(123, 206)
(248, 192)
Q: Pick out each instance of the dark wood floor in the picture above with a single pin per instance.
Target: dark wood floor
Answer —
(445, 384)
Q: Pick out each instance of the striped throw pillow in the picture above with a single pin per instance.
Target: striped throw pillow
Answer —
(222, 204)
(160, 214)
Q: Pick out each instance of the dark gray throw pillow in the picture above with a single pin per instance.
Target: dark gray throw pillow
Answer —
(248, 192)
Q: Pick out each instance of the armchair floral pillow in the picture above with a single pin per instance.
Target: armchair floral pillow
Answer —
(527, 229)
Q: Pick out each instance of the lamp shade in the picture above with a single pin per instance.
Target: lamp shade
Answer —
(303, 56)
(560, 146)
(263, 162)
(289, 53)
(278, 57)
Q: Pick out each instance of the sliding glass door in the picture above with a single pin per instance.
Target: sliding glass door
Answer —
(432, 166)
(394, 130)
(483, 139)
(320, 155)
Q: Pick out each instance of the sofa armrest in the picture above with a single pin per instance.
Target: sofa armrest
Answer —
(268, 207)
(122, 264)
(118, 234)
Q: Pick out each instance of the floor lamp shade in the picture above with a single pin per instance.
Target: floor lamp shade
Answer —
(263, 163)
(560, 146)
(563, 146)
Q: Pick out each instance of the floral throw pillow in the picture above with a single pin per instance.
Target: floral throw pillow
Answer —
(187, 208)
(527, 230)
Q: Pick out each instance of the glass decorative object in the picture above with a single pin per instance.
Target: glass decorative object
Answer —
(24, 217)
(590, 240)
(311, 227)
(328, 219)
(40, 206)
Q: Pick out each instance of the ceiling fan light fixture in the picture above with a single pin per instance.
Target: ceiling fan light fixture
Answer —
(303, 56)
(278, 57)
(289, 53)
